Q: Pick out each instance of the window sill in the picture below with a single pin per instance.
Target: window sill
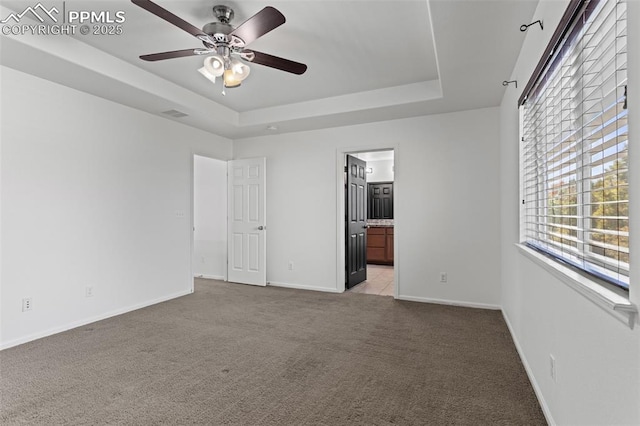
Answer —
(615, 304)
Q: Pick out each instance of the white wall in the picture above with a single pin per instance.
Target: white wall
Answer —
(93, 194)
(210, 217)
(434, 157)
(597, 356)
(382, 171)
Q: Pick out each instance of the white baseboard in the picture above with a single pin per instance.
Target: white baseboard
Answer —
(80, 323)
(449, 302)
(532, 378)
(303, 287)
(210, 277)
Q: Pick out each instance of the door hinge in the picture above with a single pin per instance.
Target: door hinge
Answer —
(346, 169)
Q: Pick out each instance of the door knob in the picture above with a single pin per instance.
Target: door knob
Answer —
(261, 228)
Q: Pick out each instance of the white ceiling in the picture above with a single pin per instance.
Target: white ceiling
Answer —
(368, 61)
(375, 155)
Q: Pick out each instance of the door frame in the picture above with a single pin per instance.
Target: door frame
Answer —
(341, 154)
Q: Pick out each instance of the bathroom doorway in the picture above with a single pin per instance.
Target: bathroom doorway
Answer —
(370, 234)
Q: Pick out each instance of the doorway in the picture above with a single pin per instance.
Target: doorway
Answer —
(209, 254)
(229, 220)
(368, 256)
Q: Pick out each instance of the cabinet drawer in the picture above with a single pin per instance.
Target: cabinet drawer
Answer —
(375, 231)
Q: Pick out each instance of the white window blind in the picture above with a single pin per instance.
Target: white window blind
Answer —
(574, 148)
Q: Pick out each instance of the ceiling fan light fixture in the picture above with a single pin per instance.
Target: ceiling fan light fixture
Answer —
(240, 70)
(207, 74)
(235, 73)
(214, 65)
(231, 79)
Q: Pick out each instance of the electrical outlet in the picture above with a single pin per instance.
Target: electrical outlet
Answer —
(88, 291)
(443, 277)
(27, 304)
(291, 265)
(552, 368)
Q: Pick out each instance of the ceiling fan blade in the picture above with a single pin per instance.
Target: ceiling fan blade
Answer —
(170, 55)
(274, 62)
(171, 18)
(259, 24)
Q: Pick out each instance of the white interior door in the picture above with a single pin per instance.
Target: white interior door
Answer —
(247, 224)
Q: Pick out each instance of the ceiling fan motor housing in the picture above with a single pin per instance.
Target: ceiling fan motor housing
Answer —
(219, 31)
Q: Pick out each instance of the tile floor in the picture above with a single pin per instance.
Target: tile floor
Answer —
(379, 281)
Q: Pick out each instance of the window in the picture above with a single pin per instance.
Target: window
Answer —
(574, 144)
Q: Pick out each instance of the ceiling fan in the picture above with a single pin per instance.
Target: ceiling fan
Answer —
(225, 45)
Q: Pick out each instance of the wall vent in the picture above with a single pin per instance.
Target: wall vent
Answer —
(175, 113)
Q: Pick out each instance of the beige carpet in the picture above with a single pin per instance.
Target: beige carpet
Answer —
(242, 355)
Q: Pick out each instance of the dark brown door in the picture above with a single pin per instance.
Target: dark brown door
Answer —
(381, 200)
(356, 222)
